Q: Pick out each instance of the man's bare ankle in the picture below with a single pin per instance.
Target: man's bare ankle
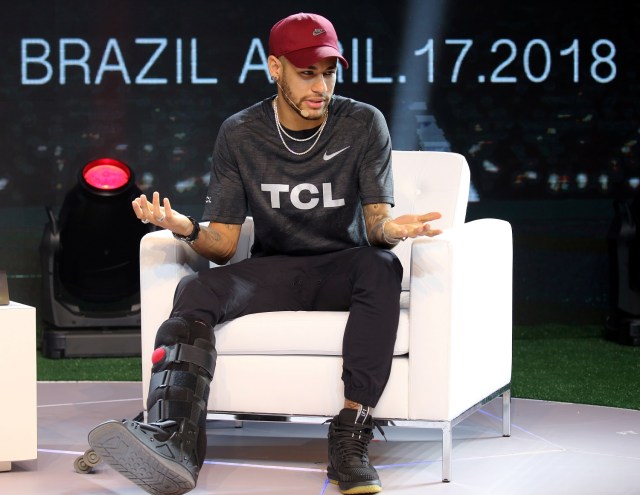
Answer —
(349, 404)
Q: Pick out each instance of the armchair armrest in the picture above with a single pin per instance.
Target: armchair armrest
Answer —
(460, 318)
(164, 261)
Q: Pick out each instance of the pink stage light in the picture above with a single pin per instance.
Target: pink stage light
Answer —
(106, 174)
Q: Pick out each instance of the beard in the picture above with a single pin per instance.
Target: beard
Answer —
(288, 98)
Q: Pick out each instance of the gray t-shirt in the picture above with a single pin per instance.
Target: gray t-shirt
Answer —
(307, 204)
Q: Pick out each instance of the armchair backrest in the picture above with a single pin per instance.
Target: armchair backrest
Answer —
(427, 181)
(424, 181)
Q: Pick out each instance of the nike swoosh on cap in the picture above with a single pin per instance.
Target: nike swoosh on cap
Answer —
(329, 156)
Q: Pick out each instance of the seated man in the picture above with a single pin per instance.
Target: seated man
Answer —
(314, 171)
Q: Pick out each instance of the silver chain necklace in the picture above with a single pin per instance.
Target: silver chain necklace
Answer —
(281, 131)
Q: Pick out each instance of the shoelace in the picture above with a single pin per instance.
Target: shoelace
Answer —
(345, 434)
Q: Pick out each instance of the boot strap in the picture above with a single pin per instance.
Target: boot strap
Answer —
(185, 353)
(174, 409)
(183, 379)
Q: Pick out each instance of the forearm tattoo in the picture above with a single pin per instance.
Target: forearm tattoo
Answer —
(376, 215)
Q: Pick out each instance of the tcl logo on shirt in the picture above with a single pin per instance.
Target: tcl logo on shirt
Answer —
(278, 191)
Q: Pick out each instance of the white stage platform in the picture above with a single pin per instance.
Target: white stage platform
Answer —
(555, 448)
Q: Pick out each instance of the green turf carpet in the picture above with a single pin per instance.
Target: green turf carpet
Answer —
(575, 364)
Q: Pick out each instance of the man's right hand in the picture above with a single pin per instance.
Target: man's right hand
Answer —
(161, 216)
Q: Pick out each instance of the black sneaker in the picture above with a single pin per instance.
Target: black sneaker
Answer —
(156, 457)
(349, 435)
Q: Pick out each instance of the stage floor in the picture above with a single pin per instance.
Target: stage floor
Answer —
(555, 448)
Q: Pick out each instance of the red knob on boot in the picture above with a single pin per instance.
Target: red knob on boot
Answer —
(158, 355)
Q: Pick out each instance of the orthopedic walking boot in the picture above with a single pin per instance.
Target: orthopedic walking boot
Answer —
(349, 435)
(164, 456)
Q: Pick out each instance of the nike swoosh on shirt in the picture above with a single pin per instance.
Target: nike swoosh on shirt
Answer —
(329, 156)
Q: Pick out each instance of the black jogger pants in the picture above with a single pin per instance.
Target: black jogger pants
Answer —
(366, 281)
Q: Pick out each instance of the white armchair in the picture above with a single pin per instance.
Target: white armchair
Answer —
(453, 350)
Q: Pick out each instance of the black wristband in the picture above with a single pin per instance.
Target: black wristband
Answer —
(191, 238)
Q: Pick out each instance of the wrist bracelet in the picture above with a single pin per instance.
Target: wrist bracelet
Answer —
(384, 236)
(191, 238)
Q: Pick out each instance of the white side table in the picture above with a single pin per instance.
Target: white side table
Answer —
(18, 384)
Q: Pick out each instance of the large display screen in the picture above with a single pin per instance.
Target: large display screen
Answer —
(541, 97)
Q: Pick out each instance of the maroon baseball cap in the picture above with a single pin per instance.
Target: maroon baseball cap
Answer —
(304, 39)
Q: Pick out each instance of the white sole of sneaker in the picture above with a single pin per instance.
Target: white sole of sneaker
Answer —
(355, 488)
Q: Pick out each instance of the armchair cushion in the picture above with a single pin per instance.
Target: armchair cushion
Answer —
(296, 332)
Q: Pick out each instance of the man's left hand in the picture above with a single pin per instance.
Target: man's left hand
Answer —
(412, 226)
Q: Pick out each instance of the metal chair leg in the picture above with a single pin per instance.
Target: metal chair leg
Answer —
(447, 447)
(506, 413)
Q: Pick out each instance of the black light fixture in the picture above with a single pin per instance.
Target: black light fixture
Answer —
(90, 264)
